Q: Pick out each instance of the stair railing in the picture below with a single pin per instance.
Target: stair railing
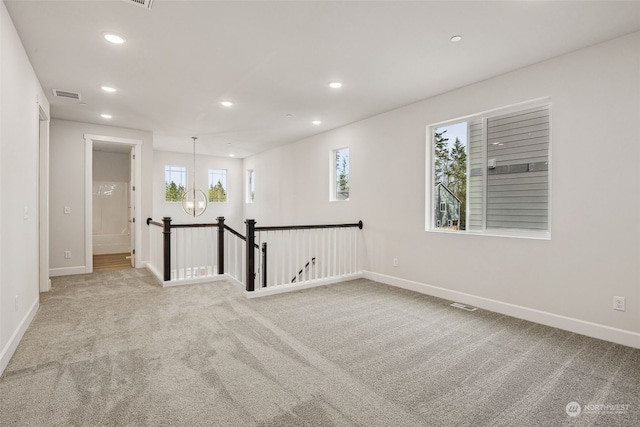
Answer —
(278, 255)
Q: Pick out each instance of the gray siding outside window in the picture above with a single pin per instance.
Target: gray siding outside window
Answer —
(475, 176)
(518, 185)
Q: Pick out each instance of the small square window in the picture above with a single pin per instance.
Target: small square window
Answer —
(340, 173)
(217, 185)
(443, 207)
(175, 183)
(251, 178)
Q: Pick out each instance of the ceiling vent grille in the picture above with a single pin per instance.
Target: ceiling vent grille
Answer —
(144, 3)
(66, 94)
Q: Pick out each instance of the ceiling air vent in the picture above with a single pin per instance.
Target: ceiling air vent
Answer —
(66, 94)
(144, 3)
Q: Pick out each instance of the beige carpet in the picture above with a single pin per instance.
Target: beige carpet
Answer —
(114, 348)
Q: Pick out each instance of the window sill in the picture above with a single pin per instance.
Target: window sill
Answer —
(518, 234)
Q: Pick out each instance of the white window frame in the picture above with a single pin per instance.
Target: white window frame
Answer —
(186, 182)
(225, 187)
(333, 184)
(430, 223)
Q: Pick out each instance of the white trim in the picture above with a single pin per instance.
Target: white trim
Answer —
(595, 330)
(44, 284)
(208, 279)
(12, 344)
(67, 271)
(88, 195)
(290, 287)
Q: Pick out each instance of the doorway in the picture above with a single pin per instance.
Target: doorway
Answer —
(112, 232)
(112, 207)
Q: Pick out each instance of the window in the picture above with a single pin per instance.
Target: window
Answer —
(493, 169)
(175, 183)
(340, 173)
(251, 177)
(217, 185)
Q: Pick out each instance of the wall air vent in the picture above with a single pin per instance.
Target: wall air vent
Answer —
(144, 3)
(66, 94)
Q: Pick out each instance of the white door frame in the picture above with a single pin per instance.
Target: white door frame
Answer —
(88, 195)
(44, 283)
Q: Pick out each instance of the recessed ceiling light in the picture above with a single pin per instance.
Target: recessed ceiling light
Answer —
(82, 104)
(232, 155)
(316, 122)
(226, 103)
(106, 116)
(114, 38)
(288, 116)
(456, 39)
(107, 88)
(335, 85)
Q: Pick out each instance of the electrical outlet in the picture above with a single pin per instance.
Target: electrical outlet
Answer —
(618, 303)
(67, 254)
(67, 210)
(395, 262)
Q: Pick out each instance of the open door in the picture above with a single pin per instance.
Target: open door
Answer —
(132, 205)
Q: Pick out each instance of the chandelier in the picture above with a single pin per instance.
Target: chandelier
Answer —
(194, 201)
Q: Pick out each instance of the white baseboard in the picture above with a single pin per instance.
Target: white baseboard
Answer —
(290, 287)
(582, 327)
(67, 271)
(204, 279)
(12, 344)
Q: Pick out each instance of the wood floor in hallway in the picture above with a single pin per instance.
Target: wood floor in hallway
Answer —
(111, 262)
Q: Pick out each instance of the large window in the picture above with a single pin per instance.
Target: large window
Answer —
(340, 173)
(175, 183)
(490, 172)
(217, 185)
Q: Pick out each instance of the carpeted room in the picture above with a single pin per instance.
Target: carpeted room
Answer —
(115, 348)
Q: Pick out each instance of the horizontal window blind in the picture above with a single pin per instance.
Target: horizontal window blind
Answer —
(518, 180)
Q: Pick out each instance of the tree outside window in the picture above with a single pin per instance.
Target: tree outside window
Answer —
(342, 174)
(217, 185)
(450, 165)
(175, 183)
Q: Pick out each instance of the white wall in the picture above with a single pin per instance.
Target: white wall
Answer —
(568, 281)
(231, 210)
(67, 181)
(109, 166)
(19, 154)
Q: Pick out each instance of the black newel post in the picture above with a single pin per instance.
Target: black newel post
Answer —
(220, 245)
(264, 265)
(251, 256)
(166, 246)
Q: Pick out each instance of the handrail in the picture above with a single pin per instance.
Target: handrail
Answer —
(249, 238)
(307, 227)
(295, 278)
(235, 233)
(151, 221)
(195, 225)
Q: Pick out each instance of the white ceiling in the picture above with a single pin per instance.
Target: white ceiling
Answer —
(274, 58)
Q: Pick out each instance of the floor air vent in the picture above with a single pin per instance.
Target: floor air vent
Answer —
(463, 306)
(144, 3)
(66, 94)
